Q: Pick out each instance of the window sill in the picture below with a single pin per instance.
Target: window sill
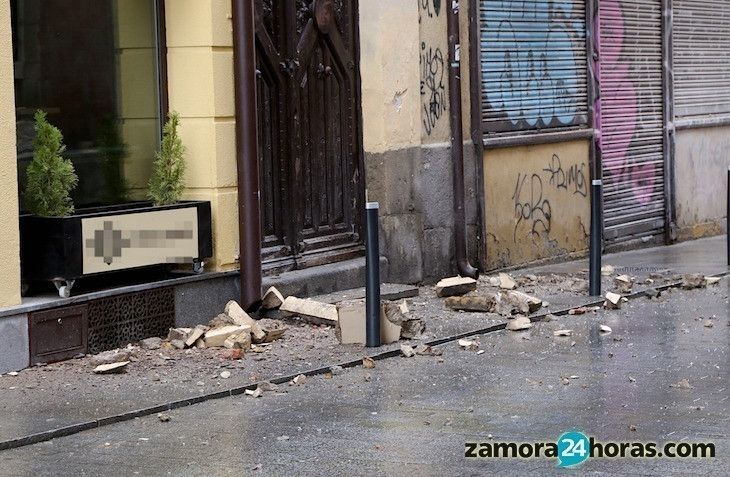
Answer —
(534, 138)
(702, 122)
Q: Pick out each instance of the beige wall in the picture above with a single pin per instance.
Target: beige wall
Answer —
(200, 63)
(702, 157)
(537, 202)
(9, 235)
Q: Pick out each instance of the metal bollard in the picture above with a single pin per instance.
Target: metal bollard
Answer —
(372, 286)
(727, 218)
(596, 237)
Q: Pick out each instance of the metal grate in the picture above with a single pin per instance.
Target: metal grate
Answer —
(701, 58)
(533, 61)
(632, 118)
(115, 322)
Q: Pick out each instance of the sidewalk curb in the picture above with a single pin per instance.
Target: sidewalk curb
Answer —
(170, 406)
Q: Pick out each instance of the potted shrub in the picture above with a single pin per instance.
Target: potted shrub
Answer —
(60, 244)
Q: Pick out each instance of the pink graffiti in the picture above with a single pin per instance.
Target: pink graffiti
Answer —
(617, 108)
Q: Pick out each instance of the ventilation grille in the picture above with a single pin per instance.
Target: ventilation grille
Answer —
(115, 322)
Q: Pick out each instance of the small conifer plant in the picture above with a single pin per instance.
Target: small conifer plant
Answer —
(50, 176)
(166, 184)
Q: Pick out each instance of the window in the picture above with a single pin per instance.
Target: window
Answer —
(533, 65)
(92, 66)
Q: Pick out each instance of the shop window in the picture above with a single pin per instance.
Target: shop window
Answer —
(92, 66)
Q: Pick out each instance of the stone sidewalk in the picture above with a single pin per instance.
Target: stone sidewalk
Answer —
(44, 399)
(661, 375)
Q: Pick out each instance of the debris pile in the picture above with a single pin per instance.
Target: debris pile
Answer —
(501, 296)
(234, 329)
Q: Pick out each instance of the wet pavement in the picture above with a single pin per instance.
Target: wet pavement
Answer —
(660, 375)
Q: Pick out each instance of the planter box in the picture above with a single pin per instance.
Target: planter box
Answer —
(113, 238)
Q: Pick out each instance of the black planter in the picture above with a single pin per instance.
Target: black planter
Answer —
(103, 240)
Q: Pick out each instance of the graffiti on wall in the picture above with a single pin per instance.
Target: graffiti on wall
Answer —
(530, 71)
(532, 206)
(619, 163)
(433, 89)
(430, 7)
(573, 180)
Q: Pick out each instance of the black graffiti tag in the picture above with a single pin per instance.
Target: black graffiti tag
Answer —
(534, 209)
(433, 91)
(574, 180)
(426, 6)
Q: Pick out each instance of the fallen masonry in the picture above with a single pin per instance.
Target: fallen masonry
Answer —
(455, 286)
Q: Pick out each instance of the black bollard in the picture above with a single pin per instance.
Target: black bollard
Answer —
(372, 270)
(596, 237)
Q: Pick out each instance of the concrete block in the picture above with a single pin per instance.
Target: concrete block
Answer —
(351, 324)
(14, 343)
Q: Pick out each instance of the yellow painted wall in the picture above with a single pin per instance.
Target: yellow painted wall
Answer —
(433, 65)
(389, 51)
(537, 202)
(200, 75)
(138, 121)
(9, 235)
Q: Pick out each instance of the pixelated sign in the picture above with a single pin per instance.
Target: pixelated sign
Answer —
(125, 241)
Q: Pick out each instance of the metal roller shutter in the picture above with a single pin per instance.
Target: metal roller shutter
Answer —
(632, 122)
(533, 60)
(701, 58)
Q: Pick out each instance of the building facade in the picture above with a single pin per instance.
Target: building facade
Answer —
(354, 105)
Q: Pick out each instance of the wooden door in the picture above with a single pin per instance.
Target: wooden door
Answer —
(311, 187)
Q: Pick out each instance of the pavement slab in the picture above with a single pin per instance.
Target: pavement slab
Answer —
(412, 416)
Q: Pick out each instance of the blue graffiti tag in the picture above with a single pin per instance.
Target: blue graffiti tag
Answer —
(528, 53)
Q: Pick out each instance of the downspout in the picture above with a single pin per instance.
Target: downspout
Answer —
(247, 165)
(457, 142)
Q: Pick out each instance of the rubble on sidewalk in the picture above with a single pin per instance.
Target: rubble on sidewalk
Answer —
(110, 357)
(455, 286)
(613, 301)
(310, 311)
(582, 310)
(483, 303)
(407, 351)
(623, 284)
(468, 345)
(506, 282)
(112, 368)
(151, 344)
(241, 318)
(696, 280)
(516, 302)
(216, 337)
(519, 323)
(272, 300)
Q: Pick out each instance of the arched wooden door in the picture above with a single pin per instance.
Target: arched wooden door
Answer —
(309, 136)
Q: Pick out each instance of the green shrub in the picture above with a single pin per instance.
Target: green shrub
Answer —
(51, 177)
(166, 184)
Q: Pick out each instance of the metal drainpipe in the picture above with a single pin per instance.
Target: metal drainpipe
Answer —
(247, 166)
(457, 141)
